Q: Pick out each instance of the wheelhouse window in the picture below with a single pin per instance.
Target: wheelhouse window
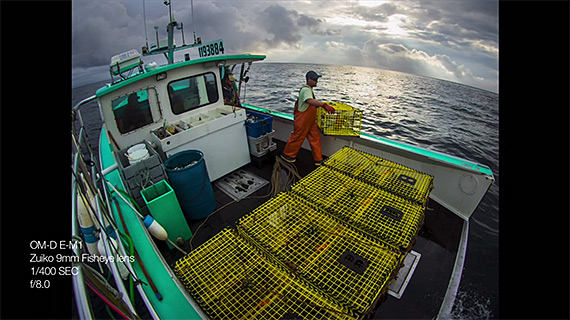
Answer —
(132, 111)
(193, 92)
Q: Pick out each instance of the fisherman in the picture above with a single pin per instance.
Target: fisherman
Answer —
(305, 125)
(231, 95)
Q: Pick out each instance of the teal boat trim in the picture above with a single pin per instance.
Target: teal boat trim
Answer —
(466, 164)
(122, 83)
(162, 276)
(282, 115)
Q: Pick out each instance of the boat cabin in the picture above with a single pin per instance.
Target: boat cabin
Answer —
(178, 107)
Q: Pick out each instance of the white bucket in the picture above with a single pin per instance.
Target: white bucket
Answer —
(138, 155)
(136, 147)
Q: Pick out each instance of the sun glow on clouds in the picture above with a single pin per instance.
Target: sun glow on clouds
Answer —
(393, 25)
(348, 21)
(371, 3)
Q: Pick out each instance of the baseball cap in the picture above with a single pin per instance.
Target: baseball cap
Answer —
(229, 76)
(312, 75)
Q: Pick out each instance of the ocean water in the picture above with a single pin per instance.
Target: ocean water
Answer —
(438, 115)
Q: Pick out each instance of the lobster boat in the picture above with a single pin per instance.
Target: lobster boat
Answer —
(187, 210)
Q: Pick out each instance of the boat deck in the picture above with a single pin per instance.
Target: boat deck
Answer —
(437, 243)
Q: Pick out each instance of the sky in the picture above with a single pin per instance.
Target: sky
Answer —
(454, 40)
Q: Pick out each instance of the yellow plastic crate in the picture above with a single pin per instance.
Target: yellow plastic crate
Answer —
(345, 121)
(390, 176)
(350, 266)
(229, 279)
(383, 215)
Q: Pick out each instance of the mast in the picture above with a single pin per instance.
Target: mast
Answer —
(169, 50)
(170, 30)
(193, 25)
(144, 18)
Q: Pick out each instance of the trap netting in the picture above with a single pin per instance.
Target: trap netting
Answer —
(382, 173)
(350, 266)
(229, 279)
(383, 215)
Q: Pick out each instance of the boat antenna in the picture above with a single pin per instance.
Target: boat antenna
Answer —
(193, 25)
(167, 3)
(157, 43)
(182, 28)
(144, 18)
(170, 29)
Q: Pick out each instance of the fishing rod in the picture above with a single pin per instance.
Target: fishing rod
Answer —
(137, 256)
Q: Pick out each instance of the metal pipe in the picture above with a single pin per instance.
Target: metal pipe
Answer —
(157, 43)
(80, 103)
(182, 30)
(109, 169)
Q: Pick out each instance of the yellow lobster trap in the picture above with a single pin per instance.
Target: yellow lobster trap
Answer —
(345, 121)
(350, 266)
(230, 279)
(383, 215)
(382, 173)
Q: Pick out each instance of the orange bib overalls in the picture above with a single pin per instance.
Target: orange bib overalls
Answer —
(305, 126)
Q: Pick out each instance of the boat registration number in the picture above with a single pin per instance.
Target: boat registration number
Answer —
(211, 49)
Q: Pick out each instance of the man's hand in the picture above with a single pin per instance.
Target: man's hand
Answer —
(328, 108)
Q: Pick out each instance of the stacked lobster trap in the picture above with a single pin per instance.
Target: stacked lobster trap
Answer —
(345, 121)
(327, 249)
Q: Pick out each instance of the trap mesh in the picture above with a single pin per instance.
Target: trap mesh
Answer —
(390, 176)
(326, 250)
(350, 266)
(231, 280)
(345, 121)
(381, 214)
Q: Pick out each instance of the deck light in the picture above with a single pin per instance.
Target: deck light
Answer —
(161, 76)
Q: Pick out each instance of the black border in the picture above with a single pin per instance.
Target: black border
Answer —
(534, 155)
(534, 159)
(35, 201)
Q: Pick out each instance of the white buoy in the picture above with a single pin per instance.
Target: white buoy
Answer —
(155, 228)
(86, 225)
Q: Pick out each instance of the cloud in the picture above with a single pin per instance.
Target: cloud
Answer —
(397, 57)
(281, 24)
(456, 24)
(452, 40)
(95, 38)
(287, 27)
(379, 13)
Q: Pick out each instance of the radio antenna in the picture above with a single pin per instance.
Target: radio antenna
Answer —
(144, 18)
(193, 25)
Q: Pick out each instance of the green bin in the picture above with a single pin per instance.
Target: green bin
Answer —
(164, 208)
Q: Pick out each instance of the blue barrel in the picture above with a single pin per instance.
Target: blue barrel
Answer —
(190, 181)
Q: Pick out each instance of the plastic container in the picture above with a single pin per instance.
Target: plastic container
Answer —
(191, 183)
(138, 155)
(262, 145)
(262, 126)
(135, 148)
(162, 203)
